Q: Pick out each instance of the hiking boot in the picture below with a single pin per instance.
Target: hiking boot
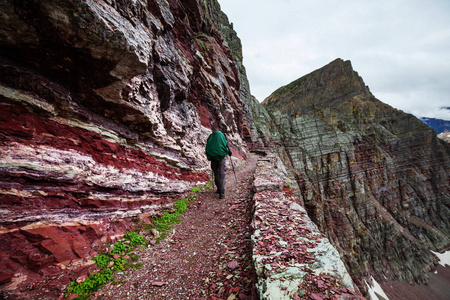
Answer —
(217, 192)
(221, 196)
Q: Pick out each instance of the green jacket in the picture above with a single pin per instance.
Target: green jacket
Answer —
(217, 146)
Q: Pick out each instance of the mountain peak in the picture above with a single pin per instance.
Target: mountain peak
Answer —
(320, 88)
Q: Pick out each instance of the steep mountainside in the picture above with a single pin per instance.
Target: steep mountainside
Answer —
(374, 179)
(105, 107)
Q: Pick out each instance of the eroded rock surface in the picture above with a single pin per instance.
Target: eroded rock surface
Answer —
(292, 258)
(105, 107)
(373, 178)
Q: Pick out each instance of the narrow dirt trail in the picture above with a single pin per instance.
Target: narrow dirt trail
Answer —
(206, 256)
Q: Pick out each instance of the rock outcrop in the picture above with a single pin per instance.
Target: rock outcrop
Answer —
(373, 178)
(292, 258)
(105, 107)
(445, 136)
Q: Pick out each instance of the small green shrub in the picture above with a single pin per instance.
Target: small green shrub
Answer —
(102, 260)
(164, 223)
(120, 264)
(201, 43)
(181, 206)
(120, 248)
(94, 281)
(191, 197)
(135, 239)
(91, 284)
(134, 257)
(196, 189)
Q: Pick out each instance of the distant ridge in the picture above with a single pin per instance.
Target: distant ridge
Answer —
(437, 124)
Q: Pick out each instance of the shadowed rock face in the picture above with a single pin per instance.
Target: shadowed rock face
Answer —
(105, 107)
(373, 178)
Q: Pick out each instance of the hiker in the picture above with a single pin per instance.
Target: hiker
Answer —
(216, 152)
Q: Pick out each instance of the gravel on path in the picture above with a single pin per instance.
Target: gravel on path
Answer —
(206, 256)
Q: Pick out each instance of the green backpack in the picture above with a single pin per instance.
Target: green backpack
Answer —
(216, 146)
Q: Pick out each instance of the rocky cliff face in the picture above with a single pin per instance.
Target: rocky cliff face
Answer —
(292, 258)
(373, 178)
(105, 107)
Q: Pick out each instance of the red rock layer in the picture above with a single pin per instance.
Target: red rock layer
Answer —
(105, 107)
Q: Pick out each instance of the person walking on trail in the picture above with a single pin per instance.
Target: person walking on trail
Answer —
(216, 151)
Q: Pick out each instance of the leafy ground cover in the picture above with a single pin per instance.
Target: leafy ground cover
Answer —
(120, 257)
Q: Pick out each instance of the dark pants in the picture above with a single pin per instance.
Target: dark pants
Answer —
(219, 169)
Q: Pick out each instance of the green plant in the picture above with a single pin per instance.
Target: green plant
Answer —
(134, 257)
(201, 43)
(91, 284)
(102, 260)
(207, 186)
(135, 239)
(181, 206)
(164, 223)
(120, 248)
(94, 281)
(120, 264)
(191, 197)
(196, 189)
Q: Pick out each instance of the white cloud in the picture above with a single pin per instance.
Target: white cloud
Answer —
(399, 47)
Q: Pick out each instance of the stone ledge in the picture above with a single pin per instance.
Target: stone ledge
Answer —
(292, 258)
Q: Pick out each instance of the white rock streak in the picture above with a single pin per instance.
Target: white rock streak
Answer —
(375, 289)
(444, 258)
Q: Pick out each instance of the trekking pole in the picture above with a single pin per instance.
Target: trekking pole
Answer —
(233, 169)
(232, 165)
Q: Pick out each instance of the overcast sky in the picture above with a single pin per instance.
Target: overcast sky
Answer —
(401, 48)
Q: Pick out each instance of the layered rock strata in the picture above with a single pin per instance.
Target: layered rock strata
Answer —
(373, 178)
(292, 258)
(105, 107)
